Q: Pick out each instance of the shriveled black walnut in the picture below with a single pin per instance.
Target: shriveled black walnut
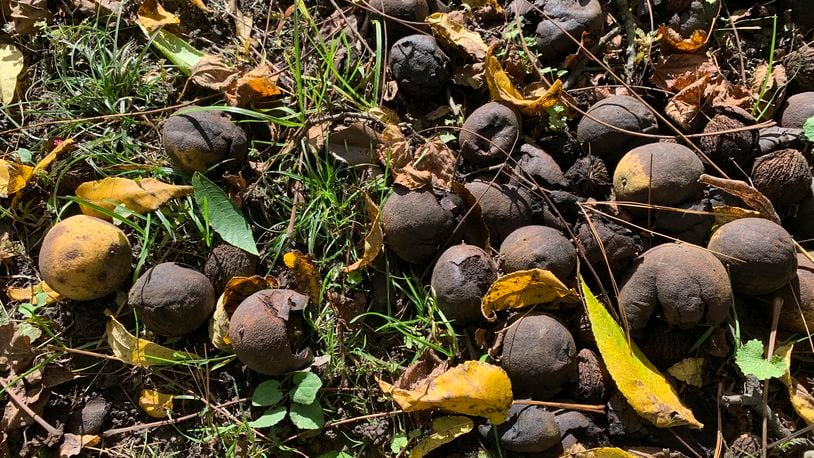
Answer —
(594, 384)
(776, 137)
(408, 10)
(172, 300)
(419, 66)
(415, 224)
(620, 111)
(801, 12)
(540, 247)
(266, 334)
(732, 151)
(539, 355)
(692, 226)
(759, 254)
(226, 261)
(528, 429)
(567, 17)
(589, 177)
(460, 279)
(797, 314)
(797, 109)
(800, 67)
(696, 15)
(687, 282)
(783, 176)
(538, 166)
(489, 134)
(578, 428)
(658, 173)
(612, 243)
(504, 207)
(199, 140)
(91, 418)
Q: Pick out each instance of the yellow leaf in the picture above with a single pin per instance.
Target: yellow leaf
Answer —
(687, 45)
(256, 86)
(62, 147)
(139, 352)
(645, 389)
(72, 444)
(13, 177)
(201, 5)
(306, 273)
(602, 452)
(472, 388)
(521, 289)
(219, 328)
(139, 196)
(444, 431)
(152, 16)
(455, 34)
(725, 214)
(373, 239)
(237, 289)
(801, 400)
(155, 403)
(29, 293)
(11, 65)
(688, 370)
(501, 89)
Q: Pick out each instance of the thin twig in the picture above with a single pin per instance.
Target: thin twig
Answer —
(171, 421)
(594, 408)
(24, 407)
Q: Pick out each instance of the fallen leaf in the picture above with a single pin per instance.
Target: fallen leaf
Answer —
(453, 33)
(472, 388)
(155, 403)
(431, 164)
(239, 288)
(11, 65)
(522, 288)
(31, 392)
(306, 273)
(767, 90)
(677, 71)
(255, 87)
(354, 145)
(201, 6)
(219, 328)
(15, 350)
(374, 238)
(385, 115)
(471, 75)
(444, 431)
(25, 14)
(152, 16)
(72, 444)
(140, 352)
(243, 25)
(749, 195)
(13, 177)
(212, 72)
(427, 367)
(750, 360)
(65, 146)
(29, 293)
(644, 388)
(182, 54)
(801, 399)
(726, 213)
(601, 452)
(684, 106)
(689, 371)
(501, 89)
(675, 41)
(141, 196)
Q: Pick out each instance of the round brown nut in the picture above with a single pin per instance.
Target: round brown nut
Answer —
(528, 429)
(419, 66)
(504, 207)
(226, 261)
(538, 247)
(539, 355)
(540, 167)
(620, 111)
(797, 109)
(800, 66)
(265, 333)
(658, 173)
(759, 254)
(783, 176)
(489, 133)
(733, 151)
(199, 140)
(566, 19)
(797, 314)
(460, 279)
(688, 282)
(172, 300)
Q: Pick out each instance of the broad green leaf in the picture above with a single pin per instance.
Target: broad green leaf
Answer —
(224, 217)
(270, 418)
(307, 416)
(751, 361)
(398, 443)
(182, 54)
(267, 393)
(808, 129)
(644, 387)
(306, 386)
(444, 431)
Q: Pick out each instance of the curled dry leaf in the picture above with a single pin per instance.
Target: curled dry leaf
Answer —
(72, 444)
(501, 89)
(674, 41)
(684, 106)
(749, 195)
(29, 293)
(141, 196)
(725, 214)
(643, 386)
(801, 399)
(444, 430)
(374, 238)
(139, 352)
(257, 86)
(60, 148)
(13, 177)
(152, 16)
(15, 350)
(11, 66)
(523, 288)
(237, 289)
(431, 164)
(689, 371)
(306, 273)
(578, 451)
(25, 14)
(31, 392)
(219, 328)
(354, 145)
(472, 388)
(453, 33)
(213, 73)
(155, 404)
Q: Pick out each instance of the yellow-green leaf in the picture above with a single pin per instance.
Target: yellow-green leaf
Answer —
(644, 387)
(373, 239)
(688, 370)
(11, 65)
(801, 400)
(501, 89)
(155, 403)
(453, 33)
(139, 196)
(521, 289)
(444, 431)
(139, 352)
(472, 388)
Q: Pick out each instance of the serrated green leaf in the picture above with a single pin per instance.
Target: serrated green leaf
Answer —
(750, 360)
(267, 393)
(307, 416)
(307, 384)
(270, 418)
(224, 217)
(808, 129)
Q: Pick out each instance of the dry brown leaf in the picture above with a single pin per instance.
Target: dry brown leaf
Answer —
(243, 25)
(675, 41)
(30, 292)
(773, 88)
(453, 33)
(212, 72)
(501, 89)
(354, 145)
(33, 394)
(26, 13)
(13, 177)
(141, 196)
(427, 367)
(72, 444)
(677, 71)
(306, 273)
(374, 238)
(152, 16)
(523, 288)
(471, 75)
(15, 350)
(254, 88)
(749, 195)
(685, 106)
(155, 403)
(431, 164)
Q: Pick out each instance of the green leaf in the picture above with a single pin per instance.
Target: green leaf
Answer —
(270, 418)
(398, 443)
(750, 360)
(808, 129)
(306, 386)
(307, 416)
(267, 393)
(224, 217)
(335, 454)
(182, 54)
